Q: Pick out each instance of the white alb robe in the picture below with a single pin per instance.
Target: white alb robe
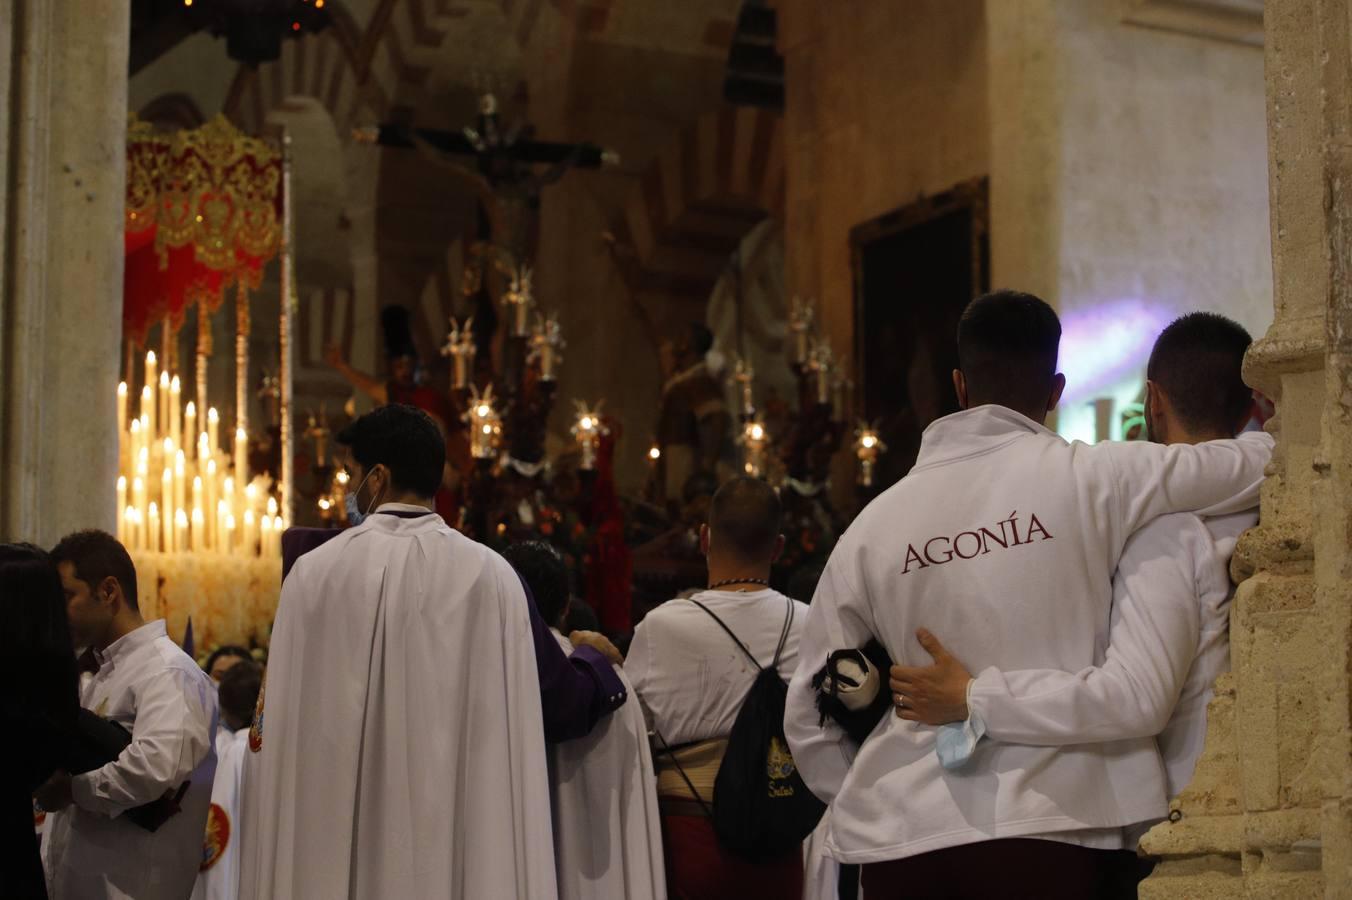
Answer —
(402, 747)
(607, 830)
(218, 878)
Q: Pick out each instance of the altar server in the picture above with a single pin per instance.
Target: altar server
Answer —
(218, 878)
(607, 833)
(1003, 537)
(399, 745)
(92, 849)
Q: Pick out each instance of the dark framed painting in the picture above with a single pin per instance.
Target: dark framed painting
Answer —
(915, 270)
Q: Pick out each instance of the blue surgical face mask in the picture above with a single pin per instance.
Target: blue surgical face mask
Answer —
(355, 516)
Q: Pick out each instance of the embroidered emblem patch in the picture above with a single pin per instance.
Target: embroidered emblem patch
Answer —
(779, 768)
(256, 729)
(217, 837)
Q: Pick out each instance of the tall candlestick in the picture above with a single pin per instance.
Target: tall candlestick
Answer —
(190, 426)
(250, 537)
(151, 379)
(153, 528)
(213, 429)
(180, 531)
(229, 533)
(167, 504)
(122, 410)
(135, 444)
(212, 485)
(203, 449)
(127, 518)
(197, 492)
(162, 400)
(241, 457)
(199, 530)
(222, 541)
(175, 408)
(138, 496)
(121, 507)
(180, 479)
(148, 414)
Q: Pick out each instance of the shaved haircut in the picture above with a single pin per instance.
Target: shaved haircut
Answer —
(744, 518)
(1007, 348)
(1197, 362)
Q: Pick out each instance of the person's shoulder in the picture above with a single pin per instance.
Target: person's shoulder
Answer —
(1178, 534)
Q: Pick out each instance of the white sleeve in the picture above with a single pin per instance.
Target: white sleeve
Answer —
(170, 738)
(1153, 639)
(1214, 477)
(638, 668)
(837, 619)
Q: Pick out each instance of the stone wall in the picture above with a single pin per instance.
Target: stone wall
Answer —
(63, 84)
(1269, 813)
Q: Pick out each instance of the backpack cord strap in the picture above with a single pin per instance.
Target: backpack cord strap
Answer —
(783, 636)
(734, 637)
(666, 748)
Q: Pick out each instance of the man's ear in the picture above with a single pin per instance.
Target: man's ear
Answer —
(960, 387)
(704, 539)
(779, 549)
(1058, 388)
(109, 592)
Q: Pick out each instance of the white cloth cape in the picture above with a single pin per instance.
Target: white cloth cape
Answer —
(219, 877)
(402, 741)
(607, 830)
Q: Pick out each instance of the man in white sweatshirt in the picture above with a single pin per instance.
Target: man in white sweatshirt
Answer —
(1171, 601)
(1003, 537)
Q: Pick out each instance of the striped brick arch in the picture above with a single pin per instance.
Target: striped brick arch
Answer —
(697, 200)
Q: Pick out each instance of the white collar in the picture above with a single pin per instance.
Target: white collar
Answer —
(403, 507)
(973, 431)
(124, 646)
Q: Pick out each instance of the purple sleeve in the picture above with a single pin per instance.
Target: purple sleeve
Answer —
(576, 691)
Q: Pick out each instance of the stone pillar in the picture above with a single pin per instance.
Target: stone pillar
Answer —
(1269, 813)
(63, 111)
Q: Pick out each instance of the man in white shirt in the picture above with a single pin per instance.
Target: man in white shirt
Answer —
(157, 692)
(607, 834)
(692, 678)
(218, 875)
(1171, 599)
(1001, 529)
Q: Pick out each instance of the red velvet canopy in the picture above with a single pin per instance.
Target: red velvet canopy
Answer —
(204, 213)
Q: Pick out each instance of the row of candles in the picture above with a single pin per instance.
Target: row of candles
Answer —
(203, 499)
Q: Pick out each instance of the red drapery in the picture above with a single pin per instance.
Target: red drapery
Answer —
(203, 214)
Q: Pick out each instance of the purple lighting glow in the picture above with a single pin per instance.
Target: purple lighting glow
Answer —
(1108, 343)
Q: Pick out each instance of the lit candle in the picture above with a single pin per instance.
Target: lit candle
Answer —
(190, 423)
(203, 449)
(167, 504)
(153, 528)
(121, 506)
(250, 538)
(175, 408)
(148, 414)
(272, 507)
(135, 441)
(241, 456)
(121, 409)
(128, 519)
(197, 492)
(213, 430)
(251, 497)
(265, 539)
(212, 484)
(229, 533)
(180, 479)
(162, 397)
(278, 526)
(180, 531)
(149, 389)
(138, 496)
(221, 543)
(199, 530)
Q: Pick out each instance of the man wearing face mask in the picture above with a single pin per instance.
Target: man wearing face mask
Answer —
(411, 685)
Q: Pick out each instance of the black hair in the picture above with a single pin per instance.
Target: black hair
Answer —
(1007, 348)
(226, 650)
(238, 693)
(405, 440)
(37, 661)
(545, 573)
(97, 555)
(744, 518)
(1197, 362)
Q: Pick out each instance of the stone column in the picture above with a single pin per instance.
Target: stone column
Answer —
(1269, 812)
(63, 110)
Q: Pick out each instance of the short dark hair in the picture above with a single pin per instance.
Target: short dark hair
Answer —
(545, 573)
(1197, 362)
(226, 650)
(405, 440)
(97, 555)
(1007, 349)
(744, 517)
(239, 690)
(37, 661)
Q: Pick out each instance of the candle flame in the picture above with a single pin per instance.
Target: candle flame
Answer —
(248, 517)
(135, 426)
(175, 386)
(150, 358)
(757, 432)
(272, 506)
(168, 475)
(145, 393)
(168, 446)
(250, 491)
(586, 423)
(230, 523)
(179, 461)
(241, 434)
(154, 510)
(181, 519)
(212, 416)
(164, 381)
(191, 410)
(483, 410)
(121, 389)
(211, 467)
(655, 453)
(278, 524)
(197, 482)
(122, 482)
(488, 429)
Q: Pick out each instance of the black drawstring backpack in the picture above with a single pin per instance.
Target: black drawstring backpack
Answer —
(762, 810)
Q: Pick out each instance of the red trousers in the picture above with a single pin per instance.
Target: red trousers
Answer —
(699, 869)
(1007, 869)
